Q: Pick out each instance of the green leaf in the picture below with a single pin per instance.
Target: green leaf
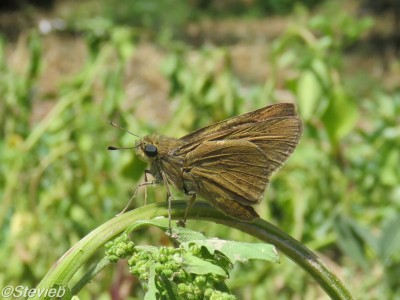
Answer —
(166, 288)
(311, 89)
(183, 235)
(238, 251)
(160, 222)
(389, 242)
(195, 265)
(234, 251)
(353, 239)
(308, 93)
(340, 116)
(390, 170)
(152, 291)
(179, 233)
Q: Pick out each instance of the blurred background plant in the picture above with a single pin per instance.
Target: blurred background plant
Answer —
(68, 67)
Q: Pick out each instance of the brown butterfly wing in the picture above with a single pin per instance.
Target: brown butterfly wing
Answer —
(275, 129)
(277, 137)
(259, 115)
(231, 174)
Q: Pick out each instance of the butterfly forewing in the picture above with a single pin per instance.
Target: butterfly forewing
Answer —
(265, 113)
(277, 137)
(275, 134)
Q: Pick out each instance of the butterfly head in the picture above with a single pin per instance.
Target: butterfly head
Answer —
(151, 147)
(147, 148)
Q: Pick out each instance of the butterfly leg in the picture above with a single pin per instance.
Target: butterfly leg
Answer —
(135, 191)
(192, 198)
(146, 172)
(169, 199)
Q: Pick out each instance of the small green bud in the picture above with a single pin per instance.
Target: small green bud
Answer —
(113, 258)
(208, 292)
(167, 272)
(182, 288)
(200, 280)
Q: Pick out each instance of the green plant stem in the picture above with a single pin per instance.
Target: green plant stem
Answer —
(62, 272)
(90, 275)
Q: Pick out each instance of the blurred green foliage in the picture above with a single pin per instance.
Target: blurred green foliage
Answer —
(339, 193)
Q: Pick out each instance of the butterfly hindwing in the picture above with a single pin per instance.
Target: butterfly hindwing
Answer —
(231, 169)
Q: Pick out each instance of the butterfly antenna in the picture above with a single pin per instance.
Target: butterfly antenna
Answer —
(119, 127)
(119, 148)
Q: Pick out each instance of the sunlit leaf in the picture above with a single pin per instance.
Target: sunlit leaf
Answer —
(340, 116)
(239, 251)
(308, 94)
(196, 265)
(152, 290)
(312, 87)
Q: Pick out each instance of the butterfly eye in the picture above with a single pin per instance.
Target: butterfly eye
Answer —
(150, 150)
